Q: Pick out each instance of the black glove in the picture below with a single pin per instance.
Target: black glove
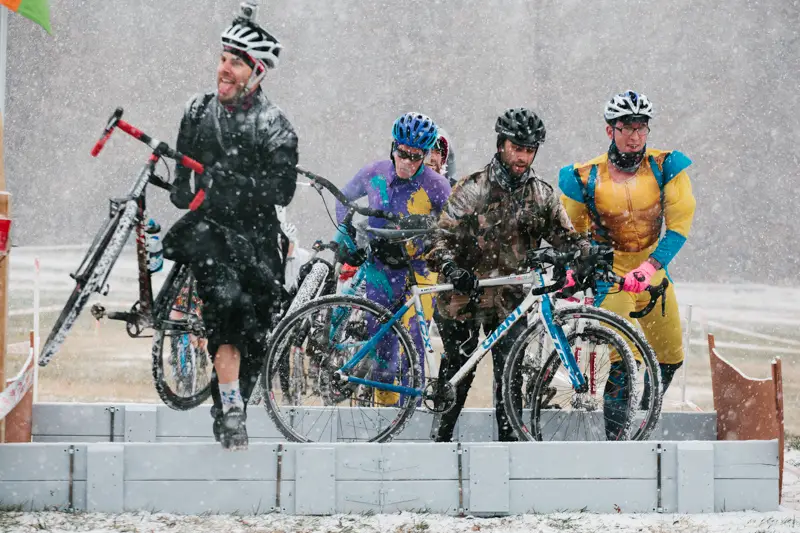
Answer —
(463, 280)
(355, 258)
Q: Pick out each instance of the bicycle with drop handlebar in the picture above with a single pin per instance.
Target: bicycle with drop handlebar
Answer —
(350, 364)
(169, 313)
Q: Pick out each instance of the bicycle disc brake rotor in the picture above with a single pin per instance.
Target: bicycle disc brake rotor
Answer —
(585, 402)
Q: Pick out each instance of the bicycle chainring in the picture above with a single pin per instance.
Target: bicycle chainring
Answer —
(135, 323)
(438, 396)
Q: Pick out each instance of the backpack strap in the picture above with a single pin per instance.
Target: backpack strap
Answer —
(198, 107)
(588, 190)
(659, 175)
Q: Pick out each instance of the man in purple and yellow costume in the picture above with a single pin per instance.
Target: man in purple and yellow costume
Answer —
(402, 185)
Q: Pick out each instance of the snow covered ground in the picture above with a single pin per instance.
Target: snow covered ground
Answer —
(778, 522)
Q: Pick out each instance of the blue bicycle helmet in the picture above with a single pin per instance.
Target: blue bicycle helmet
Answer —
(415, 130)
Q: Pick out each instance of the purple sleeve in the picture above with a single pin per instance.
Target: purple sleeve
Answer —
(355, 189)
(440, 194)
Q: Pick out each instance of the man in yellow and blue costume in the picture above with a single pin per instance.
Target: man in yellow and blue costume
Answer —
(624, 198)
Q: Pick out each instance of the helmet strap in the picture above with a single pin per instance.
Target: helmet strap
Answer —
(505, 178)
(256, 77)
(253, 83)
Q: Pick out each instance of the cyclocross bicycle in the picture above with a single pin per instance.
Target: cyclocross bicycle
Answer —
(182, 378)
(351, 403)
(125, 214)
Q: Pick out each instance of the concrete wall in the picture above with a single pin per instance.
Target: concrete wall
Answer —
(477, 479)
(166, 460)
(723, 78)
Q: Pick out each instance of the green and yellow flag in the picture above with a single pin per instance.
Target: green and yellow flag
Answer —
(36, 10)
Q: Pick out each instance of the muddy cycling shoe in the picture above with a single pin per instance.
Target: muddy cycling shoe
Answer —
(233, 434)
(217, 429)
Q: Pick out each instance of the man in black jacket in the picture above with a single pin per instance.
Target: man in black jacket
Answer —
(250, 150)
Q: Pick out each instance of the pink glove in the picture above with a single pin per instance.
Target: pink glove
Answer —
(638, 280)
(570, 283)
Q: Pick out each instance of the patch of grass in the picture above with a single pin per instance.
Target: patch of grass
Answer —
(561, 523)
(792, 441)
(14, 508)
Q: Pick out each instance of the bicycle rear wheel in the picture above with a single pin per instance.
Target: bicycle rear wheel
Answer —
(181, 369)
(331, 409)
(91, 276)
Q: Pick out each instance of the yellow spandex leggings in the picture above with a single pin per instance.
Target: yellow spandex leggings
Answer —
(662, 332)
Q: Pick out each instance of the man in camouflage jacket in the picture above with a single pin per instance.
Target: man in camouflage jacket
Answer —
(492, 218)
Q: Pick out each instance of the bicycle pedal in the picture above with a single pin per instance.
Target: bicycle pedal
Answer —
(98, 311)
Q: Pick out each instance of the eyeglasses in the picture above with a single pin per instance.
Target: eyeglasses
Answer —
(628, 130)
(402, 154)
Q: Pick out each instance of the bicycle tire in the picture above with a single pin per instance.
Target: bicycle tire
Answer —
(642, 428)
(176, 279)
(309, 289)
(284, 329)
(99, 261)
(650, 414)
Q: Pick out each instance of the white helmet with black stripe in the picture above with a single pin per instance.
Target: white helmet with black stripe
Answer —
(628, 106)
(254, 41)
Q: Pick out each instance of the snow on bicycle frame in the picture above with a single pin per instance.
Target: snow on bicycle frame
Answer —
(92, 274)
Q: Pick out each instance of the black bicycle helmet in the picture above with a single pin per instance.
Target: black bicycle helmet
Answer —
(521, 126)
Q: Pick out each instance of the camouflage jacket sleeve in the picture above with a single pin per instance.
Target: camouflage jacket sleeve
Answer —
(455, 221)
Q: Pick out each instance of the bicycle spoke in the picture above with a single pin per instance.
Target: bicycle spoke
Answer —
(360, 410)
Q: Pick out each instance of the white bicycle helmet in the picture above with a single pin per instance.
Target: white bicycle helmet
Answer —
(628, 104)
(254, 41)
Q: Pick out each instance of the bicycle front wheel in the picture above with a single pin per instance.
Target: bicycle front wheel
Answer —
(647, 409)
(543, 404)
(295, 378)
(94, 270)
(181, 363)
(328, 332)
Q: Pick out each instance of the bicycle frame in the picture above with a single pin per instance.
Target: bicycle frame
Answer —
(141, 316)
(545, 314)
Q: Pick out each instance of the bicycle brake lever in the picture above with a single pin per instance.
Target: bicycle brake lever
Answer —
(663, 290)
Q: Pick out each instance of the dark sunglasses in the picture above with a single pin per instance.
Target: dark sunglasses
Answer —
(402, 154)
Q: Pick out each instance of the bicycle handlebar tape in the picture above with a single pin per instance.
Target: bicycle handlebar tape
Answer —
(366, 211)
(133, 131)
(102, 142)
(198, 199)
(190, 163)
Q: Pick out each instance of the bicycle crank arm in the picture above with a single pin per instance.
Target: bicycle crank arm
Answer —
(125, 316)
(99, 312)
